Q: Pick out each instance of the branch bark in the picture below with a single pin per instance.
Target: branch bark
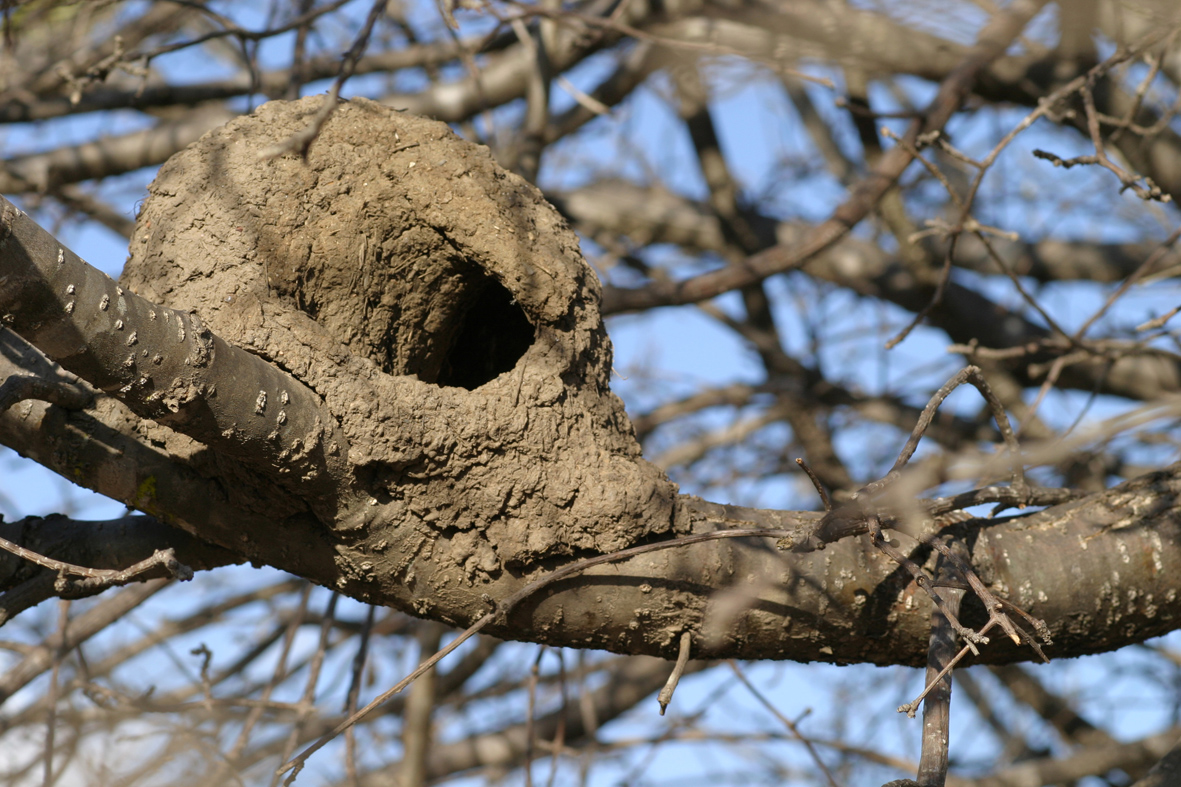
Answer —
(467, 483)
(165, 364)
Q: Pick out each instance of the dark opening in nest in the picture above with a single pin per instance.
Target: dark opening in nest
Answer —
(494, 334)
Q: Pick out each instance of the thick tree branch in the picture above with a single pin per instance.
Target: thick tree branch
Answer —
(438, 506)
(147, 467)
(164, 364)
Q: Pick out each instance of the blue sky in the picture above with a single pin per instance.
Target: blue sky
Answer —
(672, 352)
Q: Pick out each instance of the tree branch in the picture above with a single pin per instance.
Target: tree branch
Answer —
(165, 364)
(991, 43)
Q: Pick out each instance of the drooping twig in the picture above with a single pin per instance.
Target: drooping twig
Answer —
(666, 694)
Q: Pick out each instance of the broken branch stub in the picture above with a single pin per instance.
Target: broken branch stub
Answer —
(442, 311)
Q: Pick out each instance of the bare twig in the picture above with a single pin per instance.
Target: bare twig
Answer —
(301, 141)
(93, 579)
(51, 701)
(350, 707)
(530, 710)
(820, 490)
(791, 726)
(504, 607)
(992, 41)
(666, 694)
(853, 518)
(306, 706)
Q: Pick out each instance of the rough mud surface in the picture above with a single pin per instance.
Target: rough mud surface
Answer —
(443, 311)
(448, 334)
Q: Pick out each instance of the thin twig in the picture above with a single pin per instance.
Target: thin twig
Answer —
(350, 706)
(530, 711)
(791, 726)
(820, 490)
(973, 375)
(1141, 271)
(560, 732)
(972, 638)
(51, 701)
(504, 607)
(307, 703)
(302, 140)
(1157, 322)
(937, 706)
(666, 694)
(94, 579)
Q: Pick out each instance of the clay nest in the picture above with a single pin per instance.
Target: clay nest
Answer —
(437, 304)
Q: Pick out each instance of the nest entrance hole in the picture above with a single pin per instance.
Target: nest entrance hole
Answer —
(493, 335)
